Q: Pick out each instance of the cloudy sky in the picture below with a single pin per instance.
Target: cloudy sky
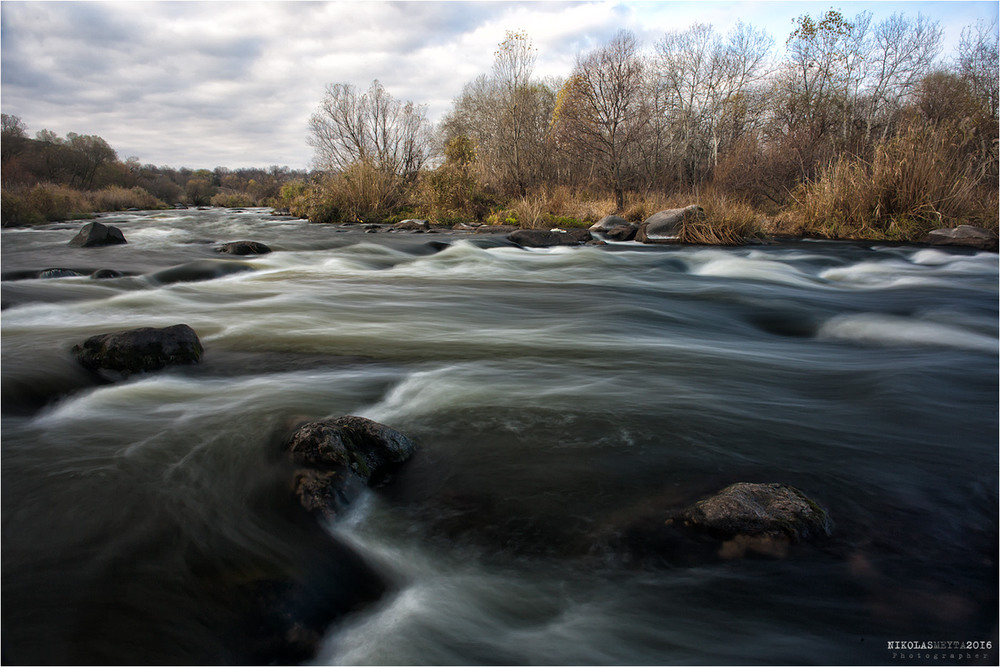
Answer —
(233, 83)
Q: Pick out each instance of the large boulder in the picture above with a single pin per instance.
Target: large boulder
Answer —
(963, 235)
(665, 226)
(338, 458)
(243, 248)
(94, 234)
(540, 238)
(140, 350)
(608, 223)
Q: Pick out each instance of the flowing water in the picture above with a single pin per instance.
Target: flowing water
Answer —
(555, 396)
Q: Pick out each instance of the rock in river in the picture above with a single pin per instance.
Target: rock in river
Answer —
(757, 510)
(608, 222)
(94, 234)
(337, 458)
(243, 248)
(140, 350)
(742, 519)
(624, 232)
(963, 235)
(665, 226)
(540, 238)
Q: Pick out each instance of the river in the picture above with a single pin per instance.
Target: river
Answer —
(554, 395)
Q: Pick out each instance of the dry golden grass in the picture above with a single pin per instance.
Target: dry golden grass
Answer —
(47, 202)
(727, 221)
(919, 180)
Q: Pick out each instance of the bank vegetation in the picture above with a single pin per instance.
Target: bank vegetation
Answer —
(853, 128)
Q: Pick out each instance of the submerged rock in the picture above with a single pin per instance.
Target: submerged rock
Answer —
(205, 269)
(665, 226)
(57, 273)
(337, 458)
(140, 350)
(243, 248)
(740, 520)
(95, 234)
(540, 238)
(104, 274)
(963, 235)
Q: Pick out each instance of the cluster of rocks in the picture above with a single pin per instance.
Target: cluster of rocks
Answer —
(661, 227)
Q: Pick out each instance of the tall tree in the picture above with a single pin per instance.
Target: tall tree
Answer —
(506, 115)
(602, 112)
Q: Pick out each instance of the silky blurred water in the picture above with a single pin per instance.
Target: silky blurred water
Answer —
(555, 395)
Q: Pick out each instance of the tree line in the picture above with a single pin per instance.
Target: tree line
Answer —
(48, 177)
(778, 128)
(852, 127)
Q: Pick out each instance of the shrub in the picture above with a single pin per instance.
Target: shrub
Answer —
(232, 199)
(727, 221)
(117, 198)
(920, 179)
(43, 203)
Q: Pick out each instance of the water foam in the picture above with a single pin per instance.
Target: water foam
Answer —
(880, 329)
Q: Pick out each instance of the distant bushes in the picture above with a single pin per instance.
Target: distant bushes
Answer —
(48, 202)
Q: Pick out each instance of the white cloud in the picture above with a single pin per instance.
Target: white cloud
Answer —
(233, 84)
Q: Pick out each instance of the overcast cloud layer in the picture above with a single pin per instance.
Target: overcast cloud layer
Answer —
(233, 84)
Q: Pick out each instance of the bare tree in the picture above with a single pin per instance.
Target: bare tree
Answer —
(902, 53)
(602, 112)
(978, 62)
(506, 115)
(371, 127)
(703, 85)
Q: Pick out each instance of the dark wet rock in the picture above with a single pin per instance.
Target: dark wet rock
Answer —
(337, 458)
(540, 238)
(412, 225)
(104, 274)
(205, 269)
(496, 229)
(437, 246)
(665, 226)
(96, 234)
(243, 248)
(57, 273)
(744, 519)
(624, 232)
(757, 510)
(140, 350)
(963, 235)
(607, 223)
